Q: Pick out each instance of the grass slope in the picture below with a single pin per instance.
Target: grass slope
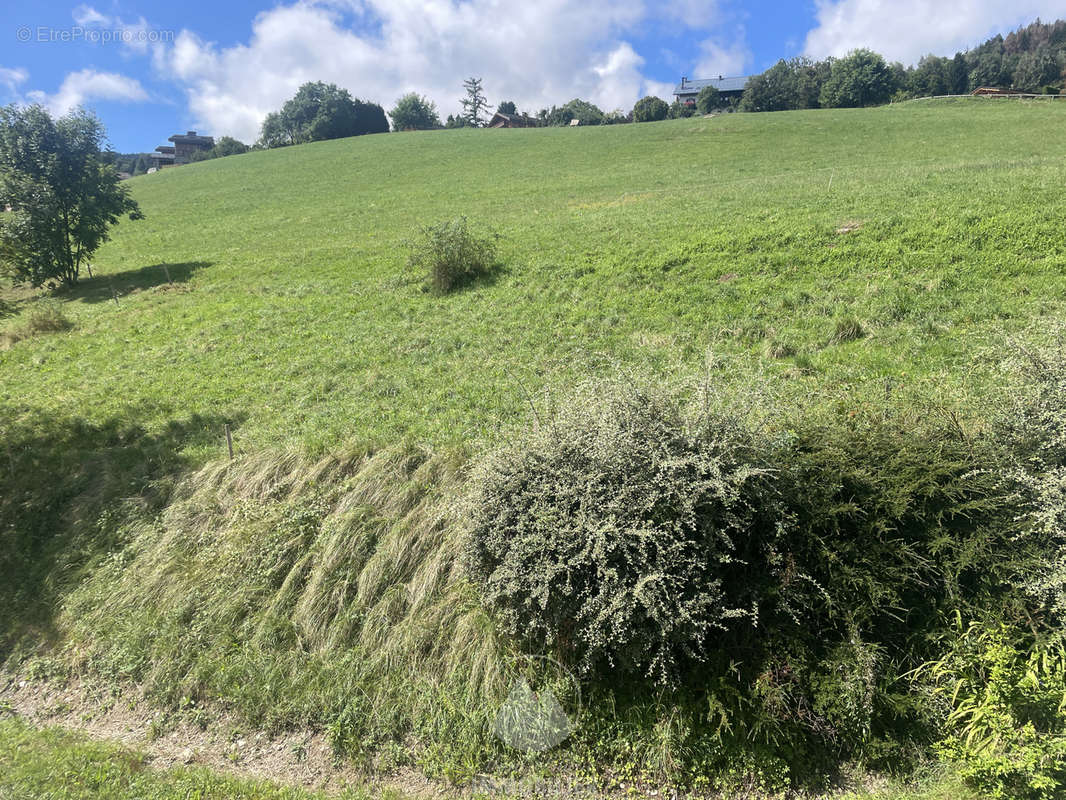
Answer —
(648, 246)
(826, 252)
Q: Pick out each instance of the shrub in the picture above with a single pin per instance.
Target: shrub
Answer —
(861, 78)
(708, 100)
(792, 578)
(450, 255)
(624, 534)
(413, 112)
(1034, 426)
(680, 110)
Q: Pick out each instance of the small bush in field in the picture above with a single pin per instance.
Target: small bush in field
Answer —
(47, 317)
(450, 255)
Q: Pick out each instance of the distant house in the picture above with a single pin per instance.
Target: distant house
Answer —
(185, 144)
(501, 120)
(728, 88)
(992, 91)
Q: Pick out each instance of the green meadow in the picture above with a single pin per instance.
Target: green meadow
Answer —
(667, 247)
(831, 259)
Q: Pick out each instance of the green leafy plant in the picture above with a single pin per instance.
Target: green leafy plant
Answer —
(650, 109)
(647, 539)
(1004, 694)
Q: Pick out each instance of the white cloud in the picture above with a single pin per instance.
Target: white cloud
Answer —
(905, 30)
(88, 16)
(535, 54)
(84, 85)
(728, 59)
(136, 36)
(12, 77)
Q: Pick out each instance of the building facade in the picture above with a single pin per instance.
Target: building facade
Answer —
(181, 152)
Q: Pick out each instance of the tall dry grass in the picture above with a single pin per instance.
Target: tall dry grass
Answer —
(324, 592)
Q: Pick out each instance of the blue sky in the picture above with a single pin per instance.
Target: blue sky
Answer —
(152, 69)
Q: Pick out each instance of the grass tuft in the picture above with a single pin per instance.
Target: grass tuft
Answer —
(451, 256)
(44, 316)
(848, 329)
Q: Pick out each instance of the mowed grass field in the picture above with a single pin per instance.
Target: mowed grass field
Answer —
(740, 244)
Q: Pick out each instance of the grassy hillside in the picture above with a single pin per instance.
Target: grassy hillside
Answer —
(315, 580)
(661, 246)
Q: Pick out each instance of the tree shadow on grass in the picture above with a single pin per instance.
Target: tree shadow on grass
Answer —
(69, 492)
(103, 288)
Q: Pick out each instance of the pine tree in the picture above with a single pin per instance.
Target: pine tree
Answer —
(474, 104)
(959, 75)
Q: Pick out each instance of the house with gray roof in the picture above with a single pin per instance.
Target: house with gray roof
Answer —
(728, 88)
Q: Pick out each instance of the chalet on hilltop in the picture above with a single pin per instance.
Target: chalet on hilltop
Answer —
(185, 144)
(501, 120)
(728, 88)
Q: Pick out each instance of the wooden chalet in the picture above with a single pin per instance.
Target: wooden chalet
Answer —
(501, 120)
(992, 91)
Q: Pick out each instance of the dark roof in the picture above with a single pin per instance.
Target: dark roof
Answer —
(192, 138)
(522, 119)
(736, 84)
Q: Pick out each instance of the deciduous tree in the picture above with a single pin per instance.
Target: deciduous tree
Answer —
(63, 193)
(861, 78)
(708, 100)
(413, 112)
(650, 109)
(321, 111)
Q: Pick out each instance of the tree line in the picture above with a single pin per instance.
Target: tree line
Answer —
(1032, 59)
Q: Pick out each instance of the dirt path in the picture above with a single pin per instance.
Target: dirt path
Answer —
(302, 759)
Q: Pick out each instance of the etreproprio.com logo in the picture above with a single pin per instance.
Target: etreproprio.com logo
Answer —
(78, 33)
(542, 707)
